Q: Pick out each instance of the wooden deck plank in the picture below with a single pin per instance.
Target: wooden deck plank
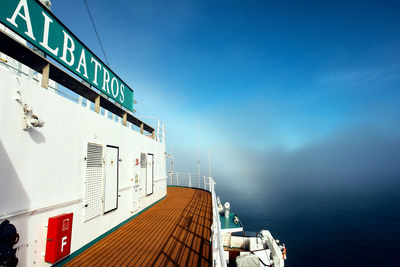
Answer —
(174, 232)
(146, 240)
(94, 252)
(132, 240)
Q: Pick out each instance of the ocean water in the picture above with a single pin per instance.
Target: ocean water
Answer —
(352, 228)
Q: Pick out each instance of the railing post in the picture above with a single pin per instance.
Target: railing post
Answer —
(190, 182)
(19, 68)
(158, 130)
(163, 133)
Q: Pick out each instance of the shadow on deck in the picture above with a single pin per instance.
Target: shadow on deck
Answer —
(174, 232)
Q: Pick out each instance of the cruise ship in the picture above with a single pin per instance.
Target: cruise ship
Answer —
(84, 181)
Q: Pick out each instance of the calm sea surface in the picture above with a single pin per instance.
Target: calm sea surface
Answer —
(326, 229)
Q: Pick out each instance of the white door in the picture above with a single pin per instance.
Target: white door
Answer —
(149, 174)
(111, 179)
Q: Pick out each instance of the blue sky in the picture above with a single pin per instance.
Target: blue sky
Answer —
(247, 78)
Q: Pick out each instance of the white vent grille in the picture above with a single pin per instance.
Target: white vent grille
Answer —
(143, 160)
(94, 181)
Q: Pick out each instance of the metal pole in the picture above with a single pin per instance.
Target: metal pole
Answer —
(198, 171)
(209, 163)
(171, 164)
(158, 130)
(163, 133)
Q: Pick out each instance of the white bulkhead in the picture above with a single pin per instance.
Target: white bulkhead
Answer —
(79, 161)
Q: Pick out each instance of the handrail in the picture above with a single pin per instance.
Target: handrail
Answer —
(218, 251)
(160, 128)
(33, 211)
(208, 184)
(161, 137)
(37, 62)
(189, 180)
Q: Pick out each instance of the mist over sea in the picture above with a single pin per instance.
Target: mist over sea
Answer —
(351, 228)
(333, 203)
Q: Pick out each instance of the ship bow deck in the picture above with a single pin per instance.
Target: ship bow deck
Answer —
(175, 231)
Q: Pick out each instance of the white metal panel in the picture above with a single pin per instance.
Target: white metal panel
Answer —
(93, 181)
(135, 182)
(149, 174)
(111, 179)
(135, 192)
(34, 178)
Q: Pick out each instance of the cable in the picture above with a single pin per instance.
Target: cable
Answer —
(97, 34)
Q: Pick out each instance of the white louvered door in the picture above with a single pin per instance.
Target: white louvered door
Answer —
(93, 181)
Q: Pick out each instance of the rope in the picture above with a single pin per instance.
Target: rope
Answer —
(97, 34)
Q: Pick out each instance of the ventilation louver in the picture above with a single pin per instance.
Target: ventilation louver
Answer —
(143, 160)
(94, 181)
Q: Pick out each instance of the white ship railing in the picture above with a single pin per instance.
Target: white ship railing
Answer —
(189, 180)
(208, 184)
(158, 125)
(22, 70)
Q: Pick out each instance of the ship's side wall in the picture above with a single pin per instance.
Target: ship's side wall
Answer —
(43, 170)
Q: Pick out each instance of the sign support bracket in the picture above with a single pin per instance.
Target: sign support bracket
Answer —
(97, 104)
(45, 76)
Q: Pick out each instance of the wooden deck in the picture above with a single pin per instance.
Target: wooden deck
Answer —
(174, 232)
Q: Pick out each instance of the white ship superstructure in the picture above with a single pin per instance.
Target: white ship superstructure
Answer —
(80, 161)
(84, 163)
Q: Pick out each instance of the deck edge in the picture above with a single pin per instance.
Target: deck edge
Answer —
(182, 186)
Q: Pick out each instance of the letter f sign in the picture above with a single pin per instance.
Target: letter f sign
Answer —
(63, 242)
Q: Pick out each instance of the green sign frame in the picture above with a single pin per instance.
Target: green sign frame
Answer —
(36, 24)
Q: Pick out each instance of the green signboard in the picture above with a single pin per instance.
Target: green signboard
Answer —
(36, 24)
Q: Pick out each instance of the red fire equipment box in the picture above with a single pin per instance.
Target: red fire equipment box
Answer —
(58, 244)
